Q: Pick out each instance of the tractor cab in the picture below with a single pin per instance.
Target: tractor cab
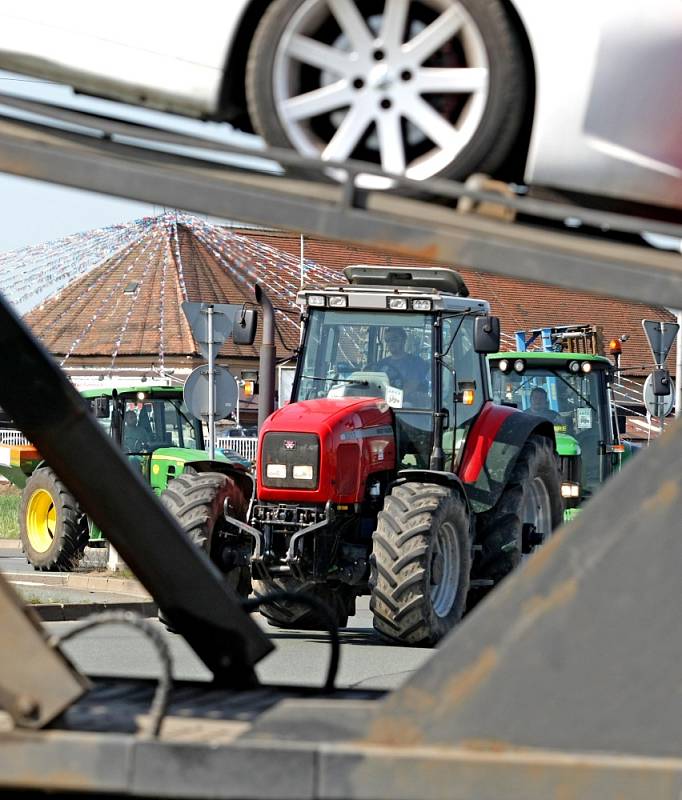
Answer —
(572, 391)
(407, 337)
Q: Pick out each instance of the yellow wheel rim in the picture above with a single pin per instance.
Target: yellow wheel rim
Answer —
(41, 520)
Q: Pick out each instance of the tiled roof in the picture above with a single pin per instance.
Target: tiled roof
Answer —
(521, 305)
(179, 257)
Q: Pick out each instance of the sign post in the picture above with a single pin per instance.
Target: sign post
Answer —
(211, 324)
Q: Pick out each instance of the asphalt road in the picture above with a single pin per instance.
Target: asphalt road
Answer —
(300, 657)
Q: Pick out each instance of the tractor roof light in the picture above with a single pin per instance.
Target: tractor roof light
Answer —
(586, 366)
(519, 365)
(397, 303)
(338, 301)
(422, 304)
(615, 347)
(504, 365)
(574, 366)
(318, 300)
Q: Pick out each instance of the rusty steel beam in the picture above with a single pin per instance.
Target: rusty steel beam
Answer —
(107, 162)
(580, 648)
(186, 585)
(36, 681)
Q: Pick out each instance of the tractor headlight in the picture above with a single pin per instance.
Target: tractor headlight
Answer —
(303, 472)
(574, 366)
(519, 365)
(397, 303)
(586, 366)
(570, 491)
(317, 300)
(276, 471)
(421, 305)
(503, 365)
(338, 301)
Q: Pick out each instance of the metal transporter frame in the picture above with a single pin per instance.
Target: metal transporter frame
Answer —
(564, 683)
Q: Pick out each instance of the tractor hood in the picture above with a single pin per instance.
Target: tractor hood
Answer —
(320, 450)
(566, 445)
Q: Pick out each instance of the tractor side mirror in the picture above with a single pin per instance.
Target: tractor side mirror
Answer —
(244, 328)
(487, 334)
(101, 408)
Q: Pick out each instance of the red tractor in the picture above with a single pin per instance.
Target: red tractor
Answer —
(391, 472)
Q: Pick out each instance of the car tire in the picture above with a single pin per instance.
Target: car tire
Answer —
(494, 120)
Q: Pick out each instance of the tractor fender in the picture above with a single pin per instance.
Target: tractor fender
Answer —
(448, 479)
(242, 479)
(492, 447)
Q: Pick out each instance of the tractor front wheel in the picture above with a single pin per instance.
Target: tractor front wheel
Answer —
(197, 500)
(54, 531)
(421, 559)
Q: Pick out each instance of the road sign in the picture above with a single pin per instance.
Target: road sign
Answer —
(222, 323)
(196, 392)
(659, 406)
(661, 336)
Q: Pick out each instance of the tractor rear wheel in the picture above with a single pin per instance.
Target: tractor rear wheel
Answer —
(421, 559)
(527, 512)
(197, 501)
(289, 614)
(54, 531)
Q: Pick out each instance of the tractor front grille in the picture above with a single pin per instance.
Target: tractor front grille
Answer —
(290, 460)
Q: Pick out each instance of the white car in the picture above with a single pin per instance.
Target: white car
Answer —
(577, 96)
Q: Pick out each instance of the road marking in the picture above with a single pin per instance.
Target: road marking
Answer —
(29, 583)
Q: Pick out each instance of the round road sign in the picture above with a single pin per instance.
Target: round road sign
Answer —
(196, 391)
(658, 406)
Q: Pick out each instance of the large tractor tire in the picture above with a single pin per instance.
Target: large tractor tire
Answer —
(340, 600)
(54, 531)
(421, 560)
(197, 501)
(527, 512)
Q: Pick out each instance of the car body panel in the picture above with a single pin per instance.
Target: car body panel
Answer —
(608, 110)
(607, 114)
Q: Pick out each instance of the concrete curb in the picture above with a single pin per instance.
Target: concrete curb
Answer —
(82, 582)
(55, 612)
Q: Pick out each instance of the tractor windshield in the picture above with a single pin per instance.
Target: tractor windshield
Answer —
(573, 402)
(150, 422)
(367, 353)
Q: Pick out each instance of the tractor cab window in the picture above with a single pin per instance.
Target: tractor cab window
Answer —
(153, 422)
(461, 383)
(571, 401)
(370, 354)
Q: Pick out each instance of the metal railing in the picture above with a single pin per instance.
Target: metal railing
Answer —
(246, 446)
(12, 437)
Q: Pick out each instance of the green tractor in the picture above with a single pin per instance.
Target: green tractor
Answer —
(165, 443)
(573, 391)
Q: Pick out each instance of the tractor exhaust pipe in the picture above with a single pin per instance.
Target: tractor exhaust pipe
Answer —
(266, 373)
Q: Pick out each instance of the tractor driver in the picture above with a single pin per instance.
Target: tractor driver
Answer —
(134, 436)
(540, 405)
(404, 370)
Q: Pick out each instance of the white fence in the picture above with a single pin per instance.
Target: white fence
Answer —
(12, 437)
(246, 446)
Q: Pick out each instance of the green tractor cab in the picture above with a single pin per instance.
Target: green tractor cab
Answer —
(153, 427)
(573, 391)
